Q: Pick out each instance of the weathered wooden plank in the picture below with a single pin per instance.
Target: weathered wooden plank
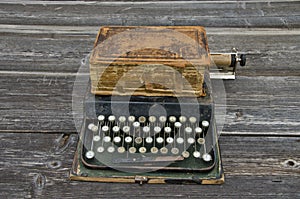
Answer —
(212, 13)
(271, 52)
(37, 165)
(43, 102)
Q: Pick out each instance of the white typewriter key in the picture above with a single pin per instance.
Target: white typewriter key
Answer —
(90, 126)
(96, 138)
(198, 130)
(101, 118)
(122, 119)
(205, 123)
(142, 150)
(149, 140)
(196, 154)
(172, 119)
(154, 150)
(175, 151)
(188, 130)
(117, 139)
(167, 129)
(182, 119)
(126, 129)
(185, 154)
(201, 140)
(142, 119)
(131, 119)
(177, 124)
(136, 124)
(116, 129)
(121, 149)
(164, 150)
(132, 149)
(191, 140)
(111, 118)
(138, 140)
(157, 129)
(107, 139)
(146, 129)
(94, 128)
(100, 149)
(110, 149)
(159, 140)
(180, 140)
(193, 120)
(90, 154)
(170, 140)
(206, 157)
(128, 139)
(152, 119)
(162, 119)
(105, 128)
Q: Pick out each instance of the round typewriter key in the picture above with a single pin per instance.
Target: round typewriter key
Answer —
(116, 129)
(206, 157)
(205, 123)
(105, 128)
(188, 130)
(191, 140)
(154, 150)
(170, 140)
(177, 124)
(196, 154)
(131, 119)
(175, 151)
(157, 129)
(146, 129)
(185, 154)
(142, 119)
(121, 149)
(117, 139)
(107, 139)
(182, 119)
(142, 150)
(101, 118)
(122, 119)
(198, 130)
(201, 140)
(132, 149)
(128, 139)
(90, 126)
(111, 118)
(100, 149)
(136, 124)
(162, 119)
(90, 154)
(193, 120)
(164, 150)
(149, 140)
(96, 138)
(94, 128)
(138, 140)
(152, 119)
(126, 129)
(159, 140)
(110, 149)
(180, 140)
(172, 119)
(167, 129)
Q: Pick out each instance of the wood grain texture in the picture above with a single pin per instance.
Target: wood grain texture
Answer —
(37, 165)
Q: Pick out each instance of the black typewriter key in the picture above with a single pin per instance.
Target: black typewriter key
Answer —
(90, 154)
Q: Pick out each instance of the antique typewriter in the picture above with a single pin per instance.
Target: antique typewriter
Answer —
(149, 112)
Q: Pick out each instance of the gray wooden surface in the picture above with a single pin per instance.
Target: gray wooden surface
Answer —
(43, 42)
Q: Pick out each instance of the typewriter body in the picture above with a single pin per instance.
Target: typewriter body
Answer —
(149, 112)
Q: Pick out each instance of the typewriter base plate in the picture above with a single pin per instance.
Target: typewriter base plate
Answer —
(83, 173)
